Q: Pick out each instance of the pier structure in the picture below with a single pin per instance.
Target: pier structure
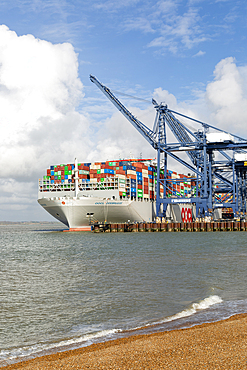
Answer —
(198, 226)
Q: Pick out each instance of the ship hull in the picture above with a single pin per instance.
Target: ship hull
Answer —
(81, 212)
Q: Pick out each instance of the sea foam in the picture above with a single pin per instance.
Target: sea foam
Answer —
(38, 349)
(195, 307)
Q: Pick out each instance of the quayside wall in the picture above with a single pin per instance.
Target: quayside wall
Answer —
(172, 227)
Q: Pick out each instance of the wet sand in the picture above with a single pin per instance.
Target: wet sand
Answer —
(221, 345)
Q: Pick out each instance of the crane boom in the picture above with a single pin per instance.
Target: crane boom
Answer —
(148, 134)
(152, 136)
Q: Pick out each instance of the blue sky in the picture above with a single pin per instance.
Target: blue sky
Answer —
(190, 54)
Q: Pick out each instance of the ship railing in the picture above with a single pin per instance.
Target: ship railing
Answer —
(110, 183)
(46, 185)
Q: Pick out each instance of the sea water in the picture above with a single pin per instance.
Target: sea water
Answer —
(67, 290)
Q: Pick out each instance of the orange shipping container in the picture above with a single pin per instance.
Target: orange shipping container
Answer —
(131, 176)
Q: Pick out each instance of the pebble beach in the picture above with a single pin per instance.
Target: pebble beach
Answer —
(220, 345)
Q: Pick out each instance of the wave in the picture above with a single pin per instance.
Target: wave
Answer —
(87, 339)
(195, 307)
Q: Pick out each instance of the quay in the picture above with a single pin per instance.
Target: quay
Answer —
(171, 227)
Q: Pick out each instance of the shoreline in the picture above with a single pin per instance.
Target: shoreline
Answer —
(221, 344)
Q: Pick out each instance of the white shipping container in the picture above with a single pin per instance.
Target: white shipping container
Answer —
(131, 172)
(219, 137)
(241, 157)
(95, 167)
(144, 172)
(120, 176)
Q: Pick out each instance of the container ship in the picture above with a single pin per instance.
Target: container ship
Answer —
(81, 194)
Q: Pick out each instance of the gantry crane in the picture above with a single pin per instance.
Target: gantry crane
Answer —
(218, 160)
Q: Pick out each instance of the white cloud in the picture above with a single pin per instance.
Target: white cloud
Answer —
(39, 90)
(139, 23)
(199, 54)
(180, 31)
(227, 96)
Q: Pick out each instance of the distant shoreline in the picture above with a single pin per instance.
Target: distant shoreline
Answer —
(28, 222)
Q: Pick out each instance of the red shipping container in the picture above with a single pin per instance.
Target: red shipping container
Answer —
(139, 186)
(52, 177)
(120, 172)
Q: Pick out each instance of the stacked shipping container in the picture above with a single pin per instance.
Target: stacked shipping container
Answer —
(136, 179)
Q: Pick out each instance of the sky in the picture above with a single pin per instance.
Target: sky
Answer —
(190, 55)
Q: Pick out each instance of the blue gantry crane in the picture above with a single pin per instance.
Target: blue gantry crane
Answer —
(217, 159)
